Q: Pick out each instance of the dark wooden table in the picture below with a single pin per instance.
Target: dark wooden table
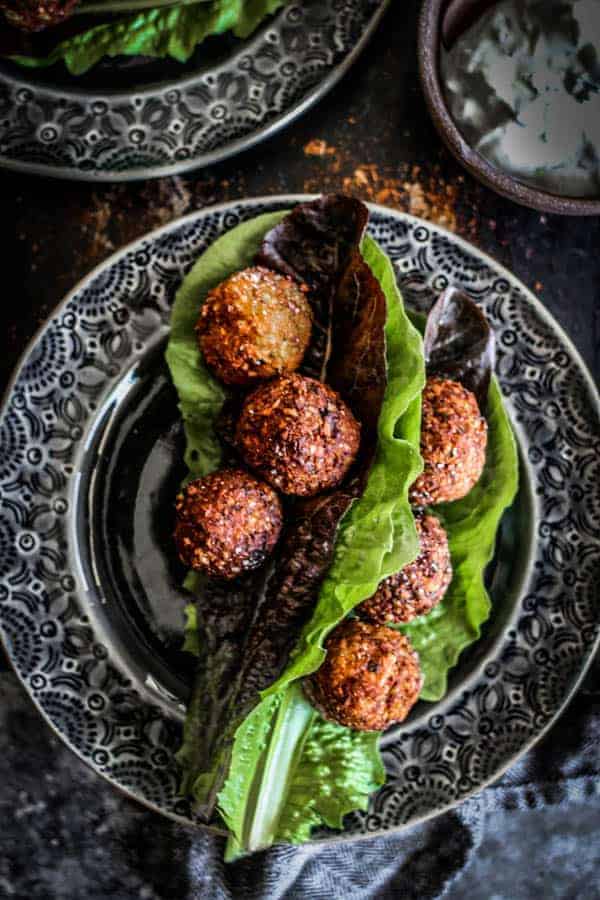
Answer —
(371, 137)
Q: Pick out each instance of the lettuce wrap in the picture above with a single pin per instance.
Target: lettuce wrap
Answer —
(255, 752)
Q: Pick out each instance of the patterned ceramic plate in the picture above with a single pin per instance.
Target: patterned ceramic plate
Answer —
(90, 458)
(172, 118)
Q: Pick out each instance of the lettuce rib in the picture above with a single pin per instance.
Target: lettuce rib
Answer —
(376, 537)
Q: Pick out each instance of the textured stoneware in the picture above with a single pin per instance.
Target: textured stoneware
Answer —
(91, 605)
(132, 119)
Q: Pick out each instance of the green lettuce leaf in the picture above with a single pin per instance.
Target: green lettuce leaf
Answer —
(173, 31)
(201, 398)
(280, 785)
(471, 524)
(292, 771)
(377, 536)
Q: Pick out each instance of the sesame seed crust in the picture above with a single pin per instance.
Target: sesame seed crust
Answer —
(298, 434)
(370, 678)
(35, 15)
(226, 523)
(420, 585)
(453, 443)
(254, 325)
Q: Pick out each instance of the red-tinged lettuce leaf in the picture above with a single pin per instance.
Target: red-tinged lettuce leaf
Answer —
(215, 633)
(316, 244)
(272, 606)
(459, 343)
(377, 537)
(289, 772)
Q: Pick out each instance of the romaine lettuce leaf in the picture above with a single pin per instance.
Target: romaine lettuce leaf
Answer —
(224, 685)
(376, 537)
(173, 31)
(276, 789)
(286, 729)
(292, 771)
(471, 524)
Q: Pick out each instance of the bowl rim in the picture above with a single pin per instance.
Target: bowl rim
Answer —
(428, 45)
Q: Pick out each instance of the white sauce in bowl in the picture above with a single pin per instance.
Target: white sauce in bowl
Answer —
(523, 86)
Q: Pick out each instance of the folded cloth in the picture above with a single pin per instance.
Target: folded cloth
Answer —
(67, 834)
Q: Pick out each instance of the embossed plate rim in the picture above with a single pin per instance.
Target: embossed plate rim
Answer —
(500, 271)
(238, 145)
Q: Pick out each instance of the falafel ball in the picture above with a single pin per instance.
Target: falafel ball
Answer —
(453, 443)
(227, 523)
(35, 15)
(254, 325)
(420, 585)
(370, 678)
(298, 434)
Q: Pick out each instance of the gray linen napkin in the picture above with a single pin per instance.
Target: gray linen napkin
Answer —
(67, 834)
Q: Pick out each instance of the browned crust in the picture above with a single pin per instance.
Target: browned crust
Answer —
(254, 325)
(453, 443)
(298, 435)
(370, 678)
(227, 523)
(35, 15)
(420, 585)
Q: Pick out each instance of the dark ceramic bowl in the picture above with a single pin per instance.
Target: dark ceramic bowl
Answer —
(429, 44)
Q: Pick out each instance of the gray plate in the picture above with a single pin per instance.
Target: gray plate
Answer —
(172, 118)
(90, 608)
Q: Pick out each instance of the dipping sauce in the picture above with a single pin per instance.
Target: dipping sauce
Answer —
(523, 86)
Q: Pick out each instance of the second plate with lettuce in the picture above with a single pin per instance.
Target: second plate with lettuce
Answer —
(129, 89)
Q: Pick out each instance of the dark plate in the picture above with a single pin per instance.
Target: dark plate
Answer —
(90, 459)
(137, 118)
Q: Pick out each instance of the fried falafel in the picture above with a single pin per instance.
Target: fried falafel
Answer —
(298, 434)
(226, 523)
(254, 325)
(370, 678)
(419, 586)
(35, 15)
(453, 443)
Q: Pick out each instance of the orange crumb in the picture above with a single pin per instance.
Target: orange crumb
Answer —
(317, 147)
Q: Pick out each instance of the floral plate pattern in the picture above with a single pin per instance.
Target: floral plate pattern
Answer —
(171, 127)
(119, 710)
